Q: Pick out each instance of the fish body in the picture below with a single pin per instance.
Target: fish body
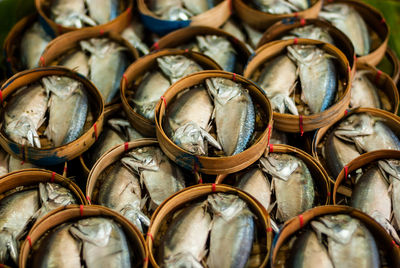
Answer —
(103, 11)
(234, 114)
(350, 243)
(232, 232)
(16, 211)
(68, 109)
(310, 32)
(317, 76)
(33, 43)
(363, 92)
(293, 184)
(70, 13)
(177, 66)
(278, 79)
(253, 34)
(107, 62)
(77, 61)
(219, 49)
(300, 4)
(233, 28)
(58, 249)
(25, 114)
(134, 33)
(197, 7)
(148, 94)
(308, 251)
(350, 22)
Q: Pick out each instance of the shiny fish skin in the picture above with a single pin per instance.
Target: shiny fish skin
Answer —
(70, 13)
(77, 61)
(186, 237)
(25, 114)
(33, 43)
(58, 249)
(219, 49)
(300, 4)
(317, 76)
(278, 80)
(134, 33)
(107, 62)
(121, 191)
(161, 177)
(350, 244)
(102, 11)
(234, 114)
(349, 21)
(232, 232)
(292, 183)
(363, 92)
(177, 66)
(307, 252)
(16, 210)
(310, 32)
(171, 10)
(103, 243)
(148, 94)
(68, 109)
(276, 6)
(255, 183)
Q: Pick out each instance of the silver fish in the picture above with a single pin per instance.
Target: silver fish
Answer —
(219, 49)
(188, 121)
(65, 125)
(253, 34)
(197, 7)
(107, 62)
(363, 92)
(70, 13)
(317, 76)
(148, 94)
(278, 79)
(300, 4)
(134, 33)
(310, 32)
(16, 211)
(276, 6)
(161, 177)
(350, 243)
(308, 251)
(234, 114)
(234, 29)
(120, 190)
(25, 114)
(232, 232)
(349, 21)
(256, 184)
(103, 243)
(177, 66)
(33, 43)
(292, 182)
(77, 61)
(171, 10)
(186, 237)
(103, 11)
(58, 249)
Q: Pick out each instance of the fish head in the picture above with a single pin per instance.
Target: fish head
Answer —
(176, 13)
(226, 205)
(280, 166)
(182, 260)
(94, 230)
(222, 89)
(354, 126)
(339, 227)
(177, 66)
(143, 158)
(61, 86)
(305, 54)
(191, 138)
(390, 166)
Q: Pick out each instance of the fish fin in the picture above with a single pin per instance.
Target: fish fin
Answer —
(8, 247)
(291, 106)
(274, 226)
(143, 201)
(210, 139)
(278, 214)
(271, 207)
(33, 138)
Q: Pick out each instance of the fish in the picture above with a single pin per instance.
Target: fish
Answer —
(103, 11)
(363, 92)
(253, 35)
(232, 232)
(177, 66)
(16, 212)
(350, 22)
(149, 92)
(219, 49)
(278, 137)
(4, 160)
(310, 32)
(186, 237)
(188, 121)
(104, 243)
(70, 13)
(25, 114)
(255, 183)
(292, 183)
(234, 29)
(65, 125)
(234, 114)
(338, 153)
(199, 6)
(300, 4)
(33, 43)
(278, 80)
(134, 33)
(318, 76)
(161, 177)
(367, 133)
(52, 196)
(58, 248)
(371, 196)
(171, 10)
(77, 61)
(120, 190)
(350, 243)
(276, 6)
(107, 62)
(308, 251)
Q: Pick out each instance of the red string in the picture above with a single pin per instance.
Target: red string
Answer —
(146, 259)
(214, 187)
(346, 172)
(378, 76)
(126, 146)
(329, 193)
(101, 31)
(301, 125)
(269, 133)
(1, 96)
(301, 220)
(125, 78)
(22, 162)
(234, 77)
(81, 210)
(296, 14)
(186, 50)
(271, 148)
(88, 199)
(383, 21)
(296, 40)
(42, 61)
(129, 10)
(394, 244)
(269, 230)
(29, 241)
(151, 236)
(164, 100)
(302, 22)
(156, 46)
(53, 175)
(346, 112)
